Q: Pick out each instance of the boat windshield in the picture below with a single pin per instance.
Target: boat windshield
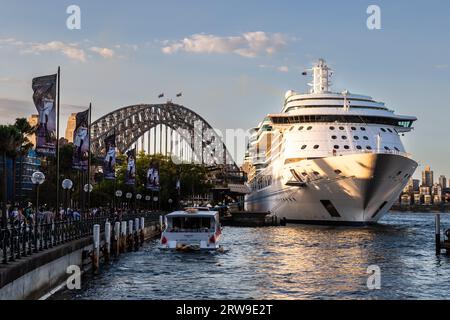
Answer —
(191, 224)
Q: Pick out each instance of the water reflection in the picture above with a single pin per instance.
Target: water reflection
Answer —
(293, 262)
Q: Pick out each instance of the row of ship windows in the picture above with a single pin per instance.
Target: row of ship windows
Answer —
(346, 147)
(265, 181)
(345, 137)
(343, 128)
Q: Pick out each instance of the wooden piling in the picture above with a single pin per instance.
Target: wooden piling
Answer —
(107, 248)
(136, 234)
(116, 240)
(142, 235)
(123, 237)
(96, 251)
(438, 233)
(130, 237)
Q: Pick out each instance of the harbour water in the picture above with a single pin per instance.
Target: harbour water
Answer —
(293, 262)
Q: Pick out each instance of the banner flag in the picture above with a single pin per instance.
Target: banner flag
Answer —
(153, 178)
(130, 176)
(44, 98)
(109, 164)
(81, 141)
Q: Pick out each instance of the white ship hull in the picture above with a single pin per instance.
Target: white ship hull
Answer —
(350, 189)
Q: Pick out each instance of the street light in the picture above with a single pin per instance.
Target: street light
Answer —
(129, 195)
(138, 198)
(67, 184)
(88, 188)
(118, 195)
(148, 199)
(170, 203)
(155, 200)
(37, 179)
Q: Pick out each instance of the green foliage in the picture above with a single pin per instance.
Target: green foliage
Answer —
(193, 179)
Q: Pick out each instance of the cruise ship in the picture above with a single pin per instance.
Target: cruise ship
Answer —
(328, 157)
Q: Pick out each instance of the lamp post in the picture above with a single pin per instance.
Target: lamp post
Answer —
(138, 198)
(67, 184)
(37, 179)
(119, 194)
(155, 200)
(148, 199)
(129, 195)
(170, 204)
(88, 188)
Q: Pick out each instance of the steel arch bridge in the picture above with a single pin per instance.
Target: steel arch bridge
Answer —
(133, 122)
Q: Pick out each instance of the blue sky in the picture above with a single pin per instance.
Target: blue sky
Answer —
(118, 57)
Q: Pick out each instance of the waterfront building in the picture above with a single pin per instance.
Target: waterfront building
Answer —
(417, 198)
(427, 200)
(424, 190)
(427, 177)
(437, 199)
(25, 167)
(33, 121)
(405, 199)
(70, 129)
(436, 190)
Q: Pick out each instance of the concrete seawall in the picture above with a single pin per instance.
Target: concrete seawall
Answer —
(33, 277)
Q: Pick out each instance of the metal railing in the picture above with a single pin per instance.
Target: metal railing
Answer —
(20, 241)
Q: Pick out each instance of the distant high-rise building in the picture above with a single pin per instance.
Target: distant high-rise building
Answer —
(427, 177)
(71, 123)
(412, 186)
(443, 181)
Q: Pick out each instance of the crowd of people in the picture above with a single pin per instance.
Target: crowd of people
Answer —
(19, 216)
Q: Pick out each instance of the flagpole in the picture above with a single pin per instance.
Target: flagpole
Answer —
(89, 158)
(57, 140)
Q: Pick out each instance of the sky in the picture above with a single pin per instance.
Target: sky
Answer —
(233, 60)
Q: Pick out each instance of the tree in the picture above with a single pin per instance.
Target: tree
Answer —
(25, 130)
(10, 141)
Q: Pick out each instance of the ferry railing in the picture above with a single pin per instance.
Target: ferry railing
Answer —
(20, 240)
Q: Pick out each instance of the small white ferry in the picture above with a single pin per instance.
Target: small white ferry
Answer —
(192, 229)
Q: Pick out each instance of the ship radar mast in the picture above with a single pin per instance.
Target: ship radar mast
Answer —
(321, 77)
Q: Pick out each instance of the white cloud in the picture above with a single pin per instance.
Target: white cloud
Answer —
(279, 69)
(104, 52)
(441, 66)
(74, 51)
(249, 45)
(283, 69)
(69, 50)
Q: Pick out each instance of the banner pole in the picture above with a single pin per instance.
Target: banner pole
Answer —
(57, 140)
(89, 158)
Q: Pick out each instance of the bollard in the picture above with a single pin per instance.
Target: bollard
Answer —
(161, 222)
(130, 241)
(123, 237)
(96, 251)
(116, 246)
(107, 250)
(136, 234)
(142, 235)
(438, 233)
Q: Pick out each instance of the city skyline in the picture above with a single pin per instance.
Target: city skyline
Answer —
(241, 62)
